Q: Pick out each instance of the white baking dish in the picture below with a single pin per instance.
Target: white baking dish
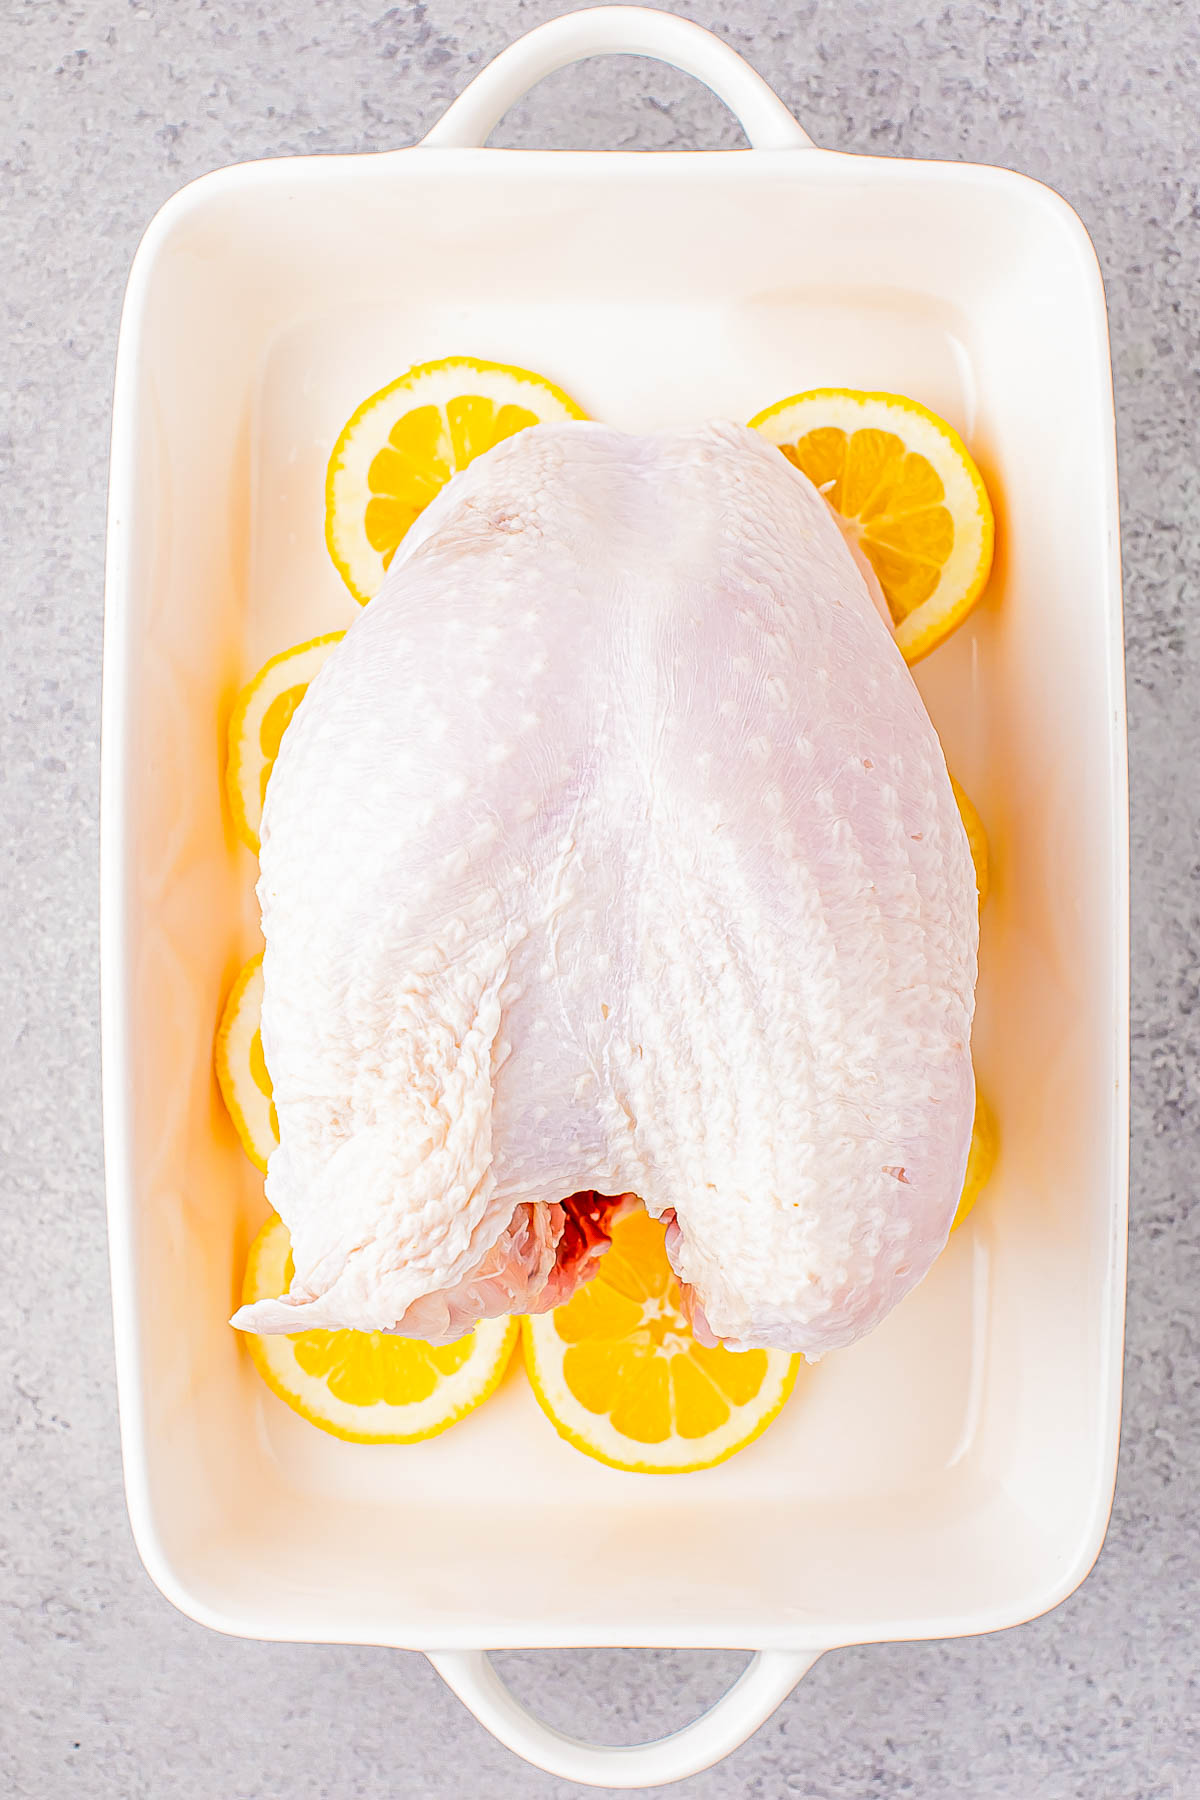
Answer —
(952, 1473)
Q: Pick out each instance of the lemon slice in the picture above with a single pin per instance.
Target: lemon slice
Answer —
(369, 1386)
(976, 839)
(981, 1158)
(403, 444)
(904, 481)
(261, 714)
(241, 1067)
(619, 1375)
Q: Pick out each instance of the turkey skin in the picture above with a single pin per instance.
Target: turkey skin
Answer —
(613, 853)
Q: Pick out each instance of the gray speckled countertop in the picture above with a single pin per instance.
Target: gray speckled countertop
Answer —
(108, 106)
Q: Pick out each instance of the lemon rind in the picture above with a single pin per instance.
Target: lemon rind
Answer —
(985, 1145)
(977, 840)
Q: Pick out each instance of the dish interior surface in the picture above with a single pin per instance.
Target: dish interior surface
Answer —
(952, 1472)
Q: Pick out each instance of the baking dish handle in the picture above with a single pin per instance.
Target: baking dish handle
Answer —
(609, 31)
(763, 1685)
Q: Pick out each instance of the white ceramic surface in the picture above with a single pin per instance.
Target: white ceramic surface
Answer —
(953, 1472)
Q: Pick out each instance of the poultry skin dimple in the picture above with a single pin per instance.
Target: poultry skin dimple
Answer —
(613, 853)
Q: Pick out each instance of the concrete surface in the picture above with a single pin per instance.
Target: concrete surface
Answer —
(106, 108)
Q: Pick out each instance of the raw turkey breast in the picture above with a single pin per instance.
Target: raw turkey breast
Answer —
(613, 853)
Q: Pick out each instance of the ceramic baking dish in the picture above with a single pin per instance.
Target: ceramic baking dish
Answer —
(953, 1472)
